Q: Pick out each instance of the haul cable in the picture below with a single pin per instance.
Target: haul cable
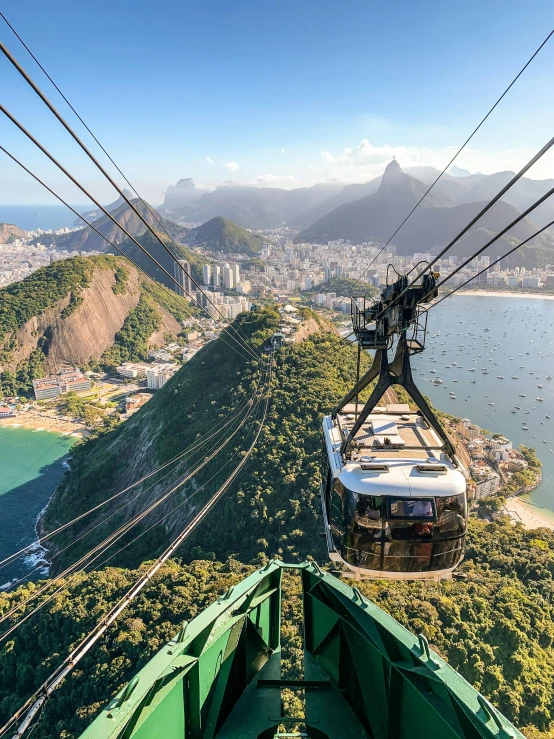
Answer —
(115, 536)
(60, 166)
(462, 147)
(110, 179)
(35, 702)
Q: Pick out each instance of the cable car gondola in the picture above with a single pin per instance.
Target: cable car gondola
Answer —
(393, 491)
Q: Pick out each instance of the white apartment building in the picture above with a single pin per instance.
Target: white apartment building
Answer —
(236, 273)
(207, 274)
(228, 277)
(216, 275)
(159, 374)
(69, 380)
(487, 484)
(132, 370)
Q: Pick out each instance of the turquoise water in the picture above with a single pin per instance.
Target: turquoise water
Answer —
(31, 466)
(520, 342)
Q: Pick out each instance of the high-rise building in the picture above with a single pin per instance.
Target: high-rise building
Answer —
(338, 271)
(228, 277)
(207, 274)
(236, 273)
(181, 272)
(216, 275)
(327, 271)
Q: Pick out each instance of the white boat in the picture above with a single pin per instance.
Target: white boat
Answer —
(540, 387)
(491, 403)
(499, 377)
(433, 372)
(522, 395)
(515, 377)
(548, 377)
(437, 381)
(540, 398)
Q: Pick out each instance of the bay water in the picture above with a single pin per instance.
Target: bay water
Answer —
(513, 339)
(31, 466)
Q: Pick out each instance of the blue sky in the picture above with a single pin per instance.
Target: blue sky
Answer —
(277, 92)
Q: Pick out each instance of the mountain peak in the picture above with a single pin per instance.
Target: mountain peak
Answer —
(391, 176)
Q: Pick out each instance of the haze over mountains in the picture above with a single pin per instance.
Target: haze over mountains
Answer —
(270, 207)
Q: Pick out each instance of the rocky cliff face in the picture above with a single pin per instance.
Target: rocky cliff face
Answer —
(90, 328)
(9, 232)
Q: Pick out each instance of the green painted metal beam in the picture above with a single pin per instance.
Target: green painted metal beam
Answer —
(365, 675)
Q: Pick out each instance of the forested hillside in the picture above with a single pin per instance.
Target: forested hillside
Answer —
(494, 624)
(86, 309)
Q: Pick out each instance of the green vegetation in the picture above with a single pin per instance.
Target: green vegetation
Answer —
(75, 300)
(495, 626)
(131, 341)
(344, 286)
(220, 234)
(42, 290)
(173, 304)
(88, 411)
(121, 276)
(45, 288)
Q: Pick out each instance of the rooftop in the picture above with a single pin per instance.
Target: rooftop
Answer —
(396, 452)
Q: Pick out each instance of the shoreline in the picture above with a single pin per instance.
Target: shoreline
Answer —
(504, 294)
(531, 516)
(39, 422)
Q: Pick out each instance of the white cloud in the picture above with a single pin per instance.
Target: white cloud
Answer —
(232, 166)
(361, 162)
(364, 161)
(283, 151)
(265, 180)
(210, 160)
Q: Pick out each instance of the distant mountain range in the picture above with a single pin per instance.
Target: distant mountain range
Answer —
(217, 235)
(93, 215)
(180, 195)
(435, 222)
(257, 207)
(270, 207)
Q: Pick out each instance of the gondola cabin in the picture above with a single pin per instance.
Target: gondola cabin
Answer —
(396, 506)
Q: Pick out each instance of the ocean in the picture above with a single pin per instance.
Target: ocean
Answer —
(48, 217)
(512, 338)
(32, 465)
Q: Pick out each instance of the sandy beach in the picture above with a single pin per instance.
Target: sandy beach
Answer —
(529, 515)
(42, 422)
(504, 294)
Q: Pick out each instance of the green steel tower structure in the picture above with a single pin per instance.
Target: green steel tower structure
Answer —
(364, 676)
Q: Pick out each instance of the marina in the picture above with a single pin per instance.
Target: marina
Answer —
(506, 328)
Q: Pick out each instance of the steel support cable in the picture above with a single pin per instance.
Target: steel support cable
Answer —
(186, 452)
(166, 515)
(35, 702)
(111, 243)
(496, 261)
(107, 213)
(110, 179)
(481, 213)
(103, 209)
(102, 521)
(498, 236)
(113, 537)
(22, 42)
(60, 166)
(462, 147)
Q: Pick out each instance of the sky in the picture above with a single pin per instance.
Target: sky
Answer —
(274, 93)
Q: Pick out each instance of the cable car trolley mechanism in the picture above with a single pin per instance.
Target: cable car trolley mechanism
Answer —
(393, 491)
